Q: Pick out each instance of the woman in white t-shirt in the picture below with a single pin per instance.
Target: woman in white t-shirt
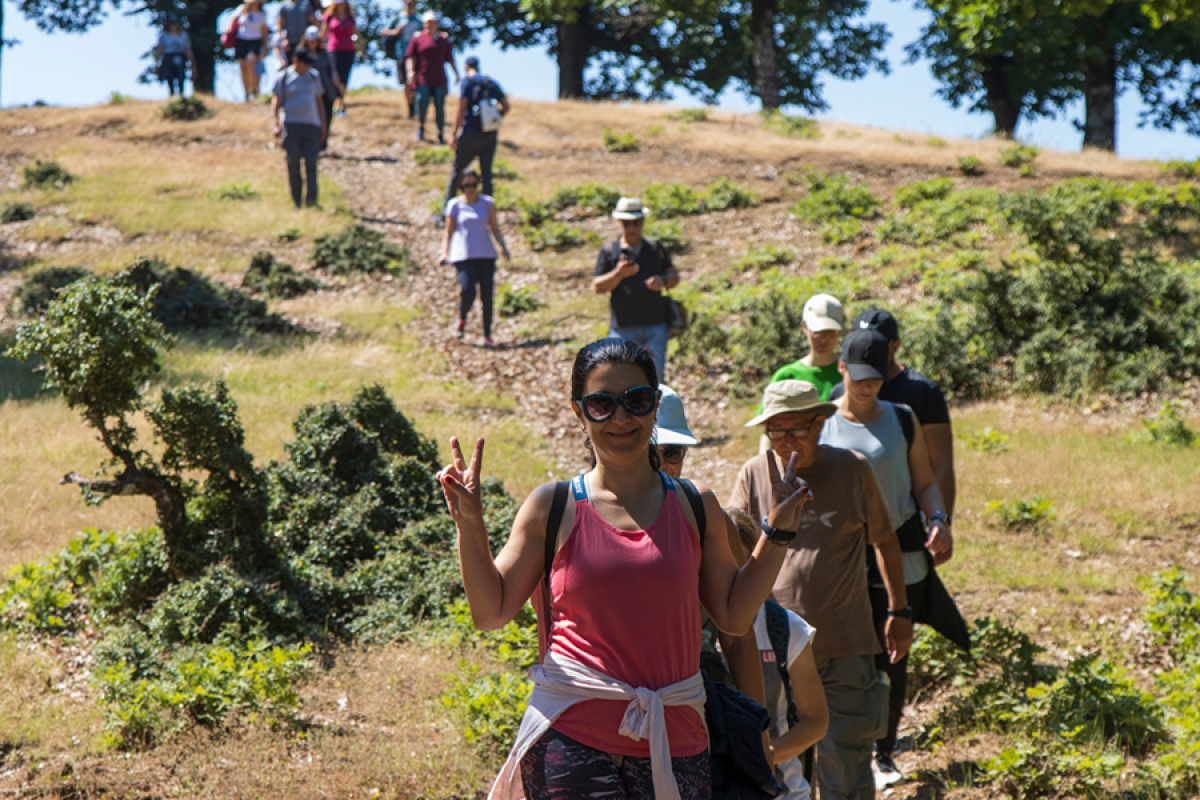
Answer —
(253, 34)
(470, 225)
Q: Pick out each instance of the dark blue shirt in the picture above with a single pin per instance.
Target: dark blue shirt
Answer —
(475, 89)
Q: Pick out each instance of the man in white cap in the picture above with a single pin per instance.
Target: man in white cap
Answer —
(634, 270)
(405, 26)
(427, 55)
(823, 323)
(823, 579)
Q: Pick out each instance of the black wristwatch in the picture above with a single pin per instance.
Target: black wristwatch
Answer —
(940, 516)
(776, 535)
(905, 612)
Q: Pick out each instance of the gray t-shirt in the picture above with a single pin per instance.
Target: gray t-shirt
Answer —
(299, 96)
(295, 16)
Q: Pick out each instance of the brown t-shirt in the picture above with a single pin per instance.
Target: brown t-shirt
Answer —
(824, 574)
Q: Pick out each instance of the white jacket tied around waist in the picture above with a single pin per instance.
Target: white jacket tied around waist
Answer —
(560, 682)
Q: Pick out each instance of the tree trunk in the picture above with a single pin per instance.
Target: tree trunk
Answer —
(573, 51)
(1006, 111)
(766, 69)
(1100, 97)
(206, 42)
(205, 79)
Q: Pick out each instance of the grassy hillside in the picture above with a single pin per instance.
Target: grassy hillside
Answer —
(1122, 506)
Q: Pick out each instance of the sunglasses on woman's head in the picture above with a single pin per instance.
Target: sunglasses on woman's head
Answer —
(638, 401)
(672, 453)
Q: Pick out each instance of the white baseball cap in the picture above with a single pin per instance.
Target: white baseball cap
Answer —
(429, 16)
(670, 426)
(312, 33)
(823, 312)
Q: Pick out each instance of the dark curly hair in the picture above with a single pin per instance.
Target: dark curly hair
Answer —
(612, 351)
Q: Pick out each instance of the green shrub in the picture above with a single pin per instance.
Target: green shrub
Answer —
(37, 292)
(1183, 169)
(970, 165)
(518, 301)
(910, 194)
(723, 194)
(840, 231)
(689, 115)
(186, 109)
(553, 235)
(667, 234)
(431, 156)
(116, 98)
(1034, 514)
(833, 198)
(36, 599)
(793, 127)
(935, 141)
(988, 440)
(504, 171)
(1028, 171)
(667, 200)
(268, 276)
(535, 214)
(489, 705)
(235, 191)
(933, 213)
(594, 197)
(1173, 614)
(16, 212)
(1018, 155)
(765, 257)
(1169, 427)
(47, 175)
(360, 250)
(619, 142)
(289, 235)
(1036, 771)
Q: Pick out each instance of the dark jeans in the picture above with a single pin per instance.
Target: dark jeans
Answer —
(343, 60)
(898, 672)
(438, 95)
(173, 71)
(302, 141)
(328, 99)
(474, 271)
(469, 147)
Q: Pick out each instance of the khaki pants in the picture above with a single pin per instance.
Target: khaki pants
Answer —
(844, 755)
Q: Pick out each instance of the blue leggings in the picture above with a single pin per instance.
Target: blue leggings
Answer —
(559, 768)
(481, 271)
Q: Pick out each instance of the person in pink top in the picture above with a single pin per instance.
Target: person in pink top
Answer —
(618, 701)
(340, 32)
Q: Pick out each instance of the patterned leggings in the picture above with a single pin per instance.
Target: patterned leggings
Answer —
(559, 768)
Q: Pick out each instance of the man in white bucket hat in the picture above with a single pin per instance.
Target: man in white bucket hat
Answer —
(824, 579)
(634, 271)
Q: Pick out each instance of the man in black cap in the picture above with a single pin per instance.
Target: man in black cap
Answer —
(298, 94)
(481, 104)
(906, 385)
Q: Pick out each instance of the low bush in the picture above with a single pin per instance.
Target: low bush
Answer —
(289, 235)
(793, 127)
(504, 171)
(834, 198)
(988, 440)
(668, 234)
(723, 194)
(1037, 771)
(933, 213)
(1018, 155)
(910, 194)
(535, 214)
(667, 200)
(970, 165)
(358, 250)
(1033, 514)
(16, 212)
(268, 276)
(689, 115)
(235, 191)
(1173, 615)
(47, 175)
(619, 142)
(1169, 427)
(186, 109)
(431, 156)
(595, 198)
(765, 257)
(518, 301)
(38, 290)
(1183, 169)
(553, 235)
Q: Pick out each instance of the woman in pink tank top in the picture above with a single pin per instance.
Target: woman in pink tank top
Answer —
(615, 696)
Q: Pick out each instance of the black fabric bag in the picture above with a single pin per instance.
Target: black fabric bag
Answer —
(740, 770)
(388, 43)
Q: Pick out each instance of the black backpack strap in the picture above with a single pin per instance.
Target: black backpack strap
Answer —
(905, 415)
(780, 633)
(557, 506)
(697, 504)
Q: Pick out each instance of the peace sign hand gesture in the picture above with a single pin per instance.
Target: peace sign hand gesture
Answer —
(461, 483)
(788, 493)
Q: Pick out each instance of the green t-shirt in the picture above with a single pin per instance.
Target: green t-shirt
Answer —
(824, 378)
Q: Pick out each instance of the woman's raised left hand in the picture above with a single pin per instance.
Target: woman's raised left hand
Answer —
(461, 483)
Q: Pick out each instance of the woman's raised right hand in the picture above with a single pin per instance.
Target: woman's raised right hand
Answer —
(461, 483)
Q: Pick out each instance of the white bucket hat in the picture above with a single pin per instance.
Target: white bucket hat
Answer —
(670, 426)
(784, 397)
(630, 208)
(823, 312)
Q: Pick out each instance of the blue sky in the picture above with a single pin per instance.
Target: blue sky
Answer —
(65, 69)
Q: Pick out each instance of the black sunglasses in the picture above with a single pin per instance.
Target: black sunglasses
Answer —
(672, 453)
(471, 185)
(796, 433)
(638, 401)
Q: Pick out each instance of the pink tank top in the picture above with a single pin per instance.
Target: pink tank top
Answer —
(627, 603)
(341, 33)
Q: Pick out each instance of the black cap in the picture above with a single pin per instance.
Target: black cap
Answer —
(172, 19)
(303, 56)
(473, 62)
(865, 354)
(876, 319)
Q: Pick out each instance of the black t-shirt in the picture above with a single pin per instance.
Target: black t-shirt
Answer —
(633, 305)
(474, 90)
(913, 390)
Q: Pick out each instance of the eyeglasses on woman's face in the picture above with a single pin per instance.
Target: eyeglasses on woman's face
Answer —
(638, 401)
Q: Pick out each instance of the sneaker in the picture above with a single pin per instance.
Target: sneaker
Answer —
(420, 134)
(340, 112)
(489, 344)
(459, 327)
(886, 771)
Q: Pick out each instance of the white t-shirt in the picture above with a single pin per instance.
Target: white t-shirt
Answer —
(800, 633)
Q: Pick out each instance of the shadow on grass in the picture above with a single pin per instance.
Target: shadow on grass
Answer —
(382, 221)
(531, 344)
(933, 784)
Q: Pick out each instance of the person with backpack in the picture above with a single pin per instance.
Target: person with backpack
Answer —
(890, 437)
(428, 54)
(481, 105)
(298, 95)
(295, 17)
(322, 62)
(173, 52)
(634, 271)
(395, 41)
(823, 579)
(614, 704)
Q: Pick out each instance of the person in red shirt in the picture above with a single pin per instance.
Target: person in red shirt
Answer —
(426, 58)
